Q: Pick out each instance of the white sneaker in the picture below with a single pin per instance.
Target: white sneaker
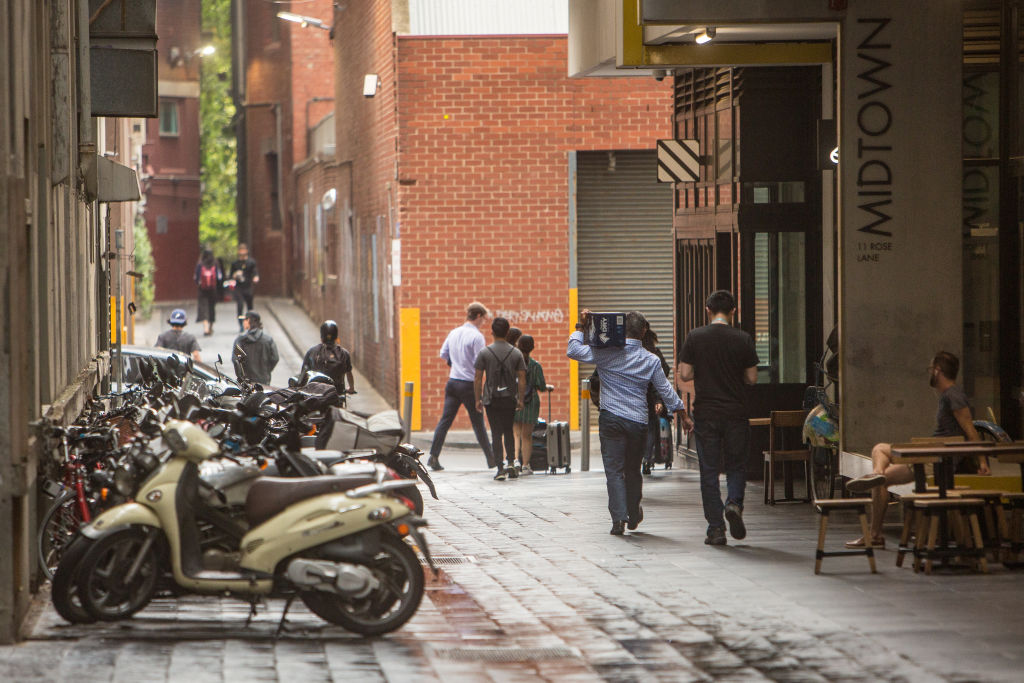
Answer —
(526, 470)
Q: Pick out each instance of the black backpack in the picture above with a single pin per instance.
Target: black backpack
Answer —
(595, 389)
(505, 386)
(329, 360)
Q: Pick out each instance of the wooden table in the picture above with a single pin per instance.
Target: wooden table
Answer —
(944, 454)
(760, 421)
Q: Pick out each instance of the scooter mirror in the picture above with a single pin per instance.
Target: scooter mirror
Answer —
(293, 382)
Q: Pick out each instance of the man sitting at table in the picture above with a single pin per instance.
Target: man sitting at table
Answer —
(952, 419)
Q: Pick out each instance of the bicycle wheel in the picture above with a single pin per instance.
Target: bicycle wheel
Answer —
(56, 530)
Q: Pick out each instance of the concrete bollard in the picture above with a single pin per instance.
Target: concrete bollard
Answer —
(407, 410)
(585, 426)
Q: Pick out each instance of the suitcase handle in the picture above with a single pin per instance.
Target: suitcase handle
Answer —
(549, 388)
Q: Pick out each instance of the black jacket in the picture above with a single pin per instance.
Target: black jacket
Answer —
(260, 356)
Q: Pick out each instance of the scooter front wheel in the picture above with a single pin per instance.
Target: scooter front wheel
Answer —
(389, 606)
(104, 587)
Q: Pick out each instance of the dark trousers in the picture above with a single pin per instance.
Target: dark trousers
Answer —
(501, 413)
(242, 295)
(623, 443)
(721, 447)
(460, 392)
(207, 305)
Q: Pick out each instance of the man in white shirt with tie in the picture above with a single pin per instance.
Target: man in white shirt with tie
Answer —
(459, 350)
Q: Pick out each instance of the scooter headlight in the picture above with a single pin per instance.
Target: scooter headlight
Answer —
(124, 479)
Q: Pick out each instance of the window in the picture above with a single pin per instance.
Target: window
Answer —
(169, 118)
(780, 314)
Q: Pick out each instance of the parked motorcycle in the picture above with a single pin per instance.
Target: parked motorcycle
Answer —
(338, 549)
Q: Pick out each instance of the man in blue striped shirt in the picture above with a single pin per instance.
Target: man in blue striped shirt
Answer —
(625, 375)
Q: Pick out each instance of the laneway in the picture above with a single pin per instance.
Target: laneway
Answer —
(534, 588)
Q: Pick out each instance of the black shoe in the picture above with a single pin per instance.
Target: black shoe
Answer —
(433, 464)
(734, 515)
(633, 522)
(716, 536)
(513, 473)
(645, 468)
(618, 528)
(500, 476)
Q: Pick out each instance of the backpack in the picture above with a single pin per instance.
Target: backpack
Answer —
(328, 360)
(208, 277)
(595, 389)
(530, 389)
(505, 386)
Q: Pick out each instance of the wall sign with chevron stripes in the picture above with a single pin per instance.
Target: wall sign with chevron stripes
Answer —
(678, 161)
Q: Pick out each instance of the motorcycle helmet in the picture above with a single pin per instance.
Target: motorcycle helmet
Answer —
(329, 332)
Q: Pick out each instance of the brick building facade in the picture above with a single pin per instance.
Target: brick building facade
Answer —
(454, 185)
(284, 84)
(170, 155)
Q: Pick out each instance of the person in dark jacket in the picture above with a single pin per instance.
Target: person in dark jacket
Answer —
(209, 277)
(260, 352)
(177, 338)
(245, 274)
(330, 358)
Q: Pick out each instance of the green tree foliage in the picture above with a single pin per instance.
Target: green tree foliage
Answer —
(218, 219)
(144, 264)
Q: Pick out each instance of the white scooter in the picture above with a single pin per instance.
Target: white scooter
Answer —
(340, 550)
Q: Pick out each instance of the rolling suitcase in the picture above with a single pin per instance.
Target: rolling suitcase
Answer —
(539, 455)
(558, 446)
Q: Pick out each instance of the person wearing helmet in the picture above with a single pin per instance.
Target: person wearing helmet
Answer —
(177, 338)
(330, 358)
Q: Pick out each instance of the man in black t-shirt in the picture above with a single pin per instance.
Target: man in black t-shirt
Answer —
(953, 419)
(721, 361)
(177, 338)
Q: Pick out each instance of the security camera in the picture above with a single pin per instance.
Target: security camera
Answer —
(659, 74)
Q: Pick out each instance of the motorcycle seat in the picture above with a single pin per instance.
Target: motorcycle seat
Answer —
(270, 495)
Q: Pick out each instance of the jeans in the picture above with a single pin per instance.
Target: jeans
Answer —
(622, 451)
(721, 446)
(242, 296)
(460, 392)
(501, 414)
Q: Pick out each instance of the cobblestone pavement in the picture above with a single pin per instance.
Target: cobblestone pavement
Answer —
(534, 588)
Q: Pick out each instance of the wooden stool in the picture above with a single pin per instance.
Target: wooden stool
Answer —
(1014, 529)
(824, 507)
(993, 527)
(909, 522)
(929, 512)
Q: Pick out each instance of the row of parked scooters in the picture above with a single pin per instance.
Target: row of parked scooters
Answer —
(180, 490)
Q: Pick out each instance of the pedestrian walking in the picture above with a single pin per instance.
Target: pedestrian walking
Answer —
(330, 358)
(177, 338)
(655, 408)
(526, 418)
(244, 274)
(720, 360)
(258, 356)
(622, 423)
(499, 386)
(459, 350)
(208, 277)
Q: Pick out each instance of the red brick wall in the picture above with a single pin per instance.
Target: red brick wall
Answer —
(172, 163)
(367, 137)
(487, 124)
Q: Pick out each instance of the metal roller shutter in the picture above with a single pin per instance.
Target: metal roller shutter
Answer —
(624, 239)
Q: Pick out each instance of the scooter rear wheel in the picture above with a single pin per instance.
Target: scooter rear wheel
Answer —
(64, 590)
(385, 609)
(102, 587)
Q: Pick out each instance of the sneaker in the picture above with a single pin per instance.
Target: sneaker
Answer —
(645, 468)
(633, 522)
(865, 483)
(527, 470)
(618, 528)
(734, 515)
(500, 476)
(434, 464)
(513, 473)
(716, 536)
(519, 467)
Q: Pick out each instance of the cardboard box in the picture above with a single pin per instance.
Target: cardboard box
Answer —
(606, 329)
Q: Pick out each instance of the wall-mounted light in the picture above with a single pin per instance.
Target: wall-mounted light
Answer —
(370, 84)
(176, 56)
(303, 21)
(706, 35)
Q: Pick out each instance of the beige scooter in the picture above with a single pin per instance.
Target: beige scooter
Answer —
(340, 550)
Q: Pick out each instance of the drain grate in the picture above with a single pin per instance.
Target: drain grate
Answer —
(504, 654)
(453, 559)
